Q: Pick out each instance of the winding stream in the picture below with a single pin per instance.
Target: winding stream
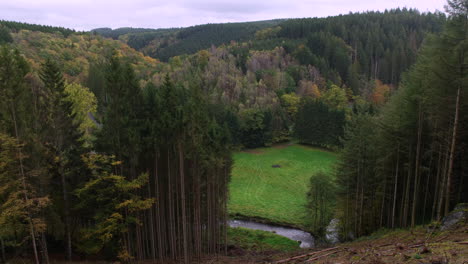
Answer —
(306, 239)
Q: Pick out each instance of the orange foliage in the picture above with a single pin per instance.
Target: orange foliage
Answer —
(308, 88)
(380, 93)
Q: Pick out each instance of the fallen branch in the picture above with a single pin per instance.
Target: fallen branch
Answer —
(306, 255)
(385, 245)
(440, 239)
(417, 245)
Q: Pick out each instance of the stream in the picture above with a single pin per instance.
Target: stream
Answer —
(306, 239)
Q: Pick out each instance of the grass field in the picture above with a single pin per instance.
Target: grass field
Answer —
(276, 194)
(260, 241)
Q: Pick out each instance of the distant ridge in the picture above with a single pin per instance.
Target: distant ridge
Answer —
(16, 26)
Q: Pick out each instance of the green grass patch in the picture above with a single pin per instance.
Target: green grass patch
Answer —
(258, 240)
(276, 194)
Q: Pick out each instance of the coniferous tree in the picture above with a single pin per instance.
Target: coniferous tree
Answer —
(318, 124)
(417, 142)
(61, 137)
(118, 205)
(14, 116)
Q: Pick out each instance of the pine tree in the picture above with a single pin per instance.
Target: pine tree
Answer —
(417, 141)
(118, 205)
(20, 207)
(15, 103)
(61, 135)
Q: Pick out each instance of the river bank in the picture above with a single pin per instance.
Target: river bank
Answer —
(306, 239)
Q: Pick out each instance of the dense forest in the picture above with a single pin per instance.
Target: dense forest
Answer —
(13, 26)
(166, 43)
(52, 178)
(407, 165)
(141, 124)
(373, 44)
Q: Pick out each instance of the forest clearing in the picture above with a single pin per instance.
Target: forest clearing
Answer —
(275, 194)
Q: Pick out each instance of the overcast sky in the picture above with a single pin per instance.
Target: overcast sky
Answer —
(89, 14)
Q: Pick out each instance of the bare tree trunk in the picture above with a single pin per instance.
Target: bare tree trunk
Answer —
(199, 213)
(436, 189)
(158, 196)
(356, 200)
(406, 199)
(452, 153)
(226, 175)
(442, 188)
(416, 169)
(396, 185)
(182, 193)
(67, 215)
(382, 206)
(172, 220)
(33, 239)
(426, 190)
(23, 179)
(44, 248)
(361, 210)
(152, 235)
(3, 250)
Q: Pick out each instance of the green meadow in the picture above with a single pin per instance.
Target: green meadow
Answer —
(257, 240)
(277, 195)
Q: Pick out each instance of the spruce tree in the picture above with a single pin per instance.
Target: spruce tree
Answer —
(15, 121)
(61, 136)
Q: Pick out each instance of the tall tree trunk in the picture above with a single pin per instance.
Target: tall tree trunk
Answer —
(396, 185)
(226, 175)
(3, 250)
(361, 215)
(442, 188)
(23, 180)
(172, 220)
(182, 193)
(426, 190)
(198, 209)
(158, 209)
(66, 209)
(382, 205)
(437, 181)
(416, 168)
(45, 250)
(152, 235)
(356, 200)
(452, 152)
(407, 194)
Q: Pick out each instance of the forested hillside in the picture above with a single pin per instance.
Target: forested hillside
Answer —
(166, 43)
(407, 165)
(116, 33)
(376, 45)
(265, 76)
(373, 44)
(77, 53)
(13, 26)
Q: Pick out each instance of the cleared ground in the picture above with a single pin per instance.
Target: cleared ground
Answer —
(271, 183)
